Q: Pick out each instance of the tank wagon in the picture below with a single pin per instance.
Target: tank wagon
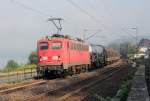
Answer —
(61, 55)
(98, 56)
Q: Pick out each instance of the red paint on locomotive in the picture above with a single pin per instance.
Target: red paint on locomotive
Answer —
(56, 51)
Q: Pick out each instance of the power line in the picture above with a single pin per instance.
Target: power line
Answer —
(92, 35)
(35, 10)
(84, 11)
(108, 10)
(129, 33)
(91, 5)
(110, 14)
(30, 8)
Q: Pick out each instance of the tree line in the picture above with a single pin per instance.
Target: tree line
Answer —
(32, 59)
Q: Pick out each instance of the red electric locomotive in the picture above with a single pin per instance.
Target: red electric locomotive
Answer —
(60, 55)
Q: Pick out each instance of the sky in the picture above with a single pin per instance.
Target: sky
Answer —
(23, 22)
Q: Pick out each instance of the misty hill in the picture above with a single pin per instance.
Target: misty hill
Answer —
(116, 43)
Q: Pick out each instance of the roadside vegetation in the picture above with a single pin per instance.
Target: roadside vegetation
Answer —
(21, 67)
(14, 66)
(122, 93)
(126, 49)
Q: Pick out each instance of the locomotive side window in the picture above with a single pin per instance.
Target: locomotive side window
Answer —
(78, 46)
(71, 46)
(56, 45)
(43, 46)
(75, 46)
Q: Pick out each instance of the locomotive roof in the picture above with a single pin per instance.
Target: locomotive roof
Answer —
(58, 36)
(66, 37)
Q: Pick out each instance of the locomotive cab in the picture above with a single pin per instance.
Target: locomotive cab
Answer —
(50, 56)
(49, 52)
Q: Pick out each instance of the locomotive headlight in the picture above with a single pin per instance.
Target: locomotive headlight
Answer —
(56, 57)
(44, 58)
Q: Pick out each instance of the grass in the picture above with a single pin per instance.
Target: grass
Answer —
(123, 92)
(100, 98)
(20, 68)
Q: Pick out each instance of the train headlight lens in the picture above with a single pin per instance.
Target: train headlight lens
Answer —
(44, 58)
(56, 57)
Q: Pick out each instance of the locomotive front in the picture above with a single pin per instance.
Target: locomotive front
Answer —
(51, 57)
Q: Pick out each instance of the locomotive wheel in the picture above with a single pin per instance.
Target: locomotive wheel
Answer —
(84, 68)
(87, 68)
(71, 71)
(46, 73)
(38, 75)
(64, 74)
(78, 71)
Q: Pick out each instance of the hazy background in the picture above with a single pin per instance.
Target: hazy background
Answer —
(22, 22)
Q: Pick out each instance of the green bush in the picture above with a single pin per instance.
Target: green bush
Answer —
(32, 58)
(20, 68)
(12, 64)
(100, 98)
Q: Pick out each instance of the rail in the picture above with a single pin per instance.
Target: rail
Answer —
(103, 76)
(23, 86)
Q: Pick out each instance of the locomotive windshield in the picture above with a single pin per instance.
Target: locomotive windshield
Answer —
(43, 46)
(56, 45)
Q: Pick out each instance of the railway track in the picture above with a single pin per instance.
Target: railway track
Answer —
(65, 92)
(104, 77)
(53, 87)
(9, 89)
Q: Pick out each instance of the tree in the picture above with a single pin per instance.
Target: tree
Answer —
(128, 49)
(132, 49)
(12, 64)
(115, 46)
(33, 58)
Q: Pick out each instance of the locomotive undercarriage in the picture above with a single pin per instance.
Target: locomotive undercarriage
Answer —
(57, 70)
(78, 69)
(49, 70)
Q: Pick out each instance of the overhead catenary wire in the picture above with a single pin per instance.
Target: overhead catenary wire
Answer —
(92, 35)
(110, 14)
(95, 19)
(27, 7)
(122, 29)
(47, 15)
(30, 8)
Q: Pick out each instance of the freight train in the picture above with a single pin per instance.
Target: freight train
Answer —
(61, 55)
